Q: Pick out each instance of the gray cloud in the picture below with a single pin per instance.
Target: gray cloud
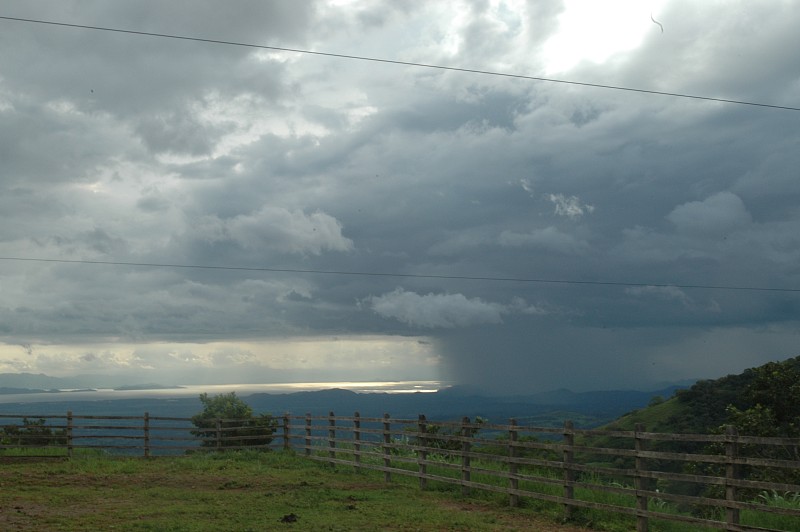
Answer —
(548, 238)
(721, 213)
(176, 133)
(276, 229)
(435, 310)
(131, 149)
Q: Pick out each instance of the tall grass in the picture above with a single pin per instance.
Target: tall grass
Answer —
(490, 471)
(774, 499)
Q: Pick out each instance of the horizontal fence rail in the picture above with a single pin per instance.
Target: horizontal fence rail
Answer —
(64, 435)
(725, 481)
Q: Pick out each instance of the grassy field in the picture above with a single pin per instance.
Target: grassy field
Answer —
(237, 492)
(240, 491)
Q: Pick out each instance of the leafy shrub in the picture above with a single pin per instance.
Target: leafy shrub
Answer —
(32, 434)
(437, 437)
(227, 421)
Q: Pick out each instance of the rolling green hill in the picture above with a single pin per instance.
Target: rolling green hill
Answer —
(762, 401)
(758, 400)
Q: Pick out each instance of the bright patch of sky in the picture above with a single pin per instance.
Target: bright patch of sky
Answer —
(595, 31)
(361, 357)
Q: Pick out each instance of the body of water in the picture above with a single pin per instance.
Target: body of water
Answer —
(243, 390)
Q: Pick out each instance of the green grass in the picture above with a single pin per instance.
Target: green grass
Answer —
(656, 418)
(49, 452)
(778, 522)
(255, 490)
(596, 519)
(234, 491)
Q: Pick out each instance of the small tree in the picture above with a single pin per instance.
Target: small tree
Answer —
(239, 427)
(772, 409)
(32, 433)
(776, 391)
(438, 437)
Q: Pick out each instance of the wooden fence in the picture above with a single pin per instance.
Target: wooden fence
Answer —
(126, 435)
(724, 481)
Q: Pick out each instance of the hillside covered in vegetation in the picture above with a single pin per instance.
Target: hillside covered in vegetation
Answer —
(762, 401)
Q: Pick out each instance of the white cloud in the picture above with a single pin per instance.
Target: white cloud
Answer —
(548, 238)
(596, 31)
(570, 206)
(435, 310)
(527, 186)
(277, 229)
(721, 213)
(445, 311)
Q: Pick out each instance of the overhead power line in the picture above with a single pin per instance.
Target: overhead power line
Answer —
(408, 275)
(402, 63)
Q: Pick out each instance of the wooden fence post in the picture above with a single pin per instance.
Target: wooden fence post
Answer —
(147, 434)
(513, 482)
(219, 434)
(332, 438)
(465, 461)
(69, 433)
(422, 454)
(308, 434)
(387, 440)
(357, 441)
(731, 473)
(569, 474)
(286, 445)
(639, 481)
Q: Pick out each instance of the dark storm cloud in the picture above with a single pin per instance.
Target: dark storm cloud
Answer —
(144, 150)
(176, 133)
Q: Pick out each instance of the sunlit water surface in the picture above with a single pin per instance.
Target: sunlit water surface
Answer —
(213, 389)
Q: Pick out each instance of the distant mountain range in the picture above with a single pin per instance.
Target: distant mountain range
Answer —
(695, 407)
(585, 408)
(542, 409)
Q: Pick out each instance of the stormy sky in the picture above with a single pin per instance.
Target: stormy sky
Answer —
(441, 203)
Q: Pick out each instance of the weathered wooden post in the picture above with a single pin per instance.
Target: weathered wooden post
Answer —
(569, 474)
(731, 474)
(147, 434)
(422, 454)
(69, 433)
(387, 449)
(308, 434)
(465, 461)
(513, 482)
(332, 438)
(219, 434)
(286, 444)
(357, 441)
(639, 481)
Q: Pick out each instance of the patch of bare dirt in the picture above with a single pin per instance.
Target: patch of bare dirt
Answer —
(512, 520)
(21, 515)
